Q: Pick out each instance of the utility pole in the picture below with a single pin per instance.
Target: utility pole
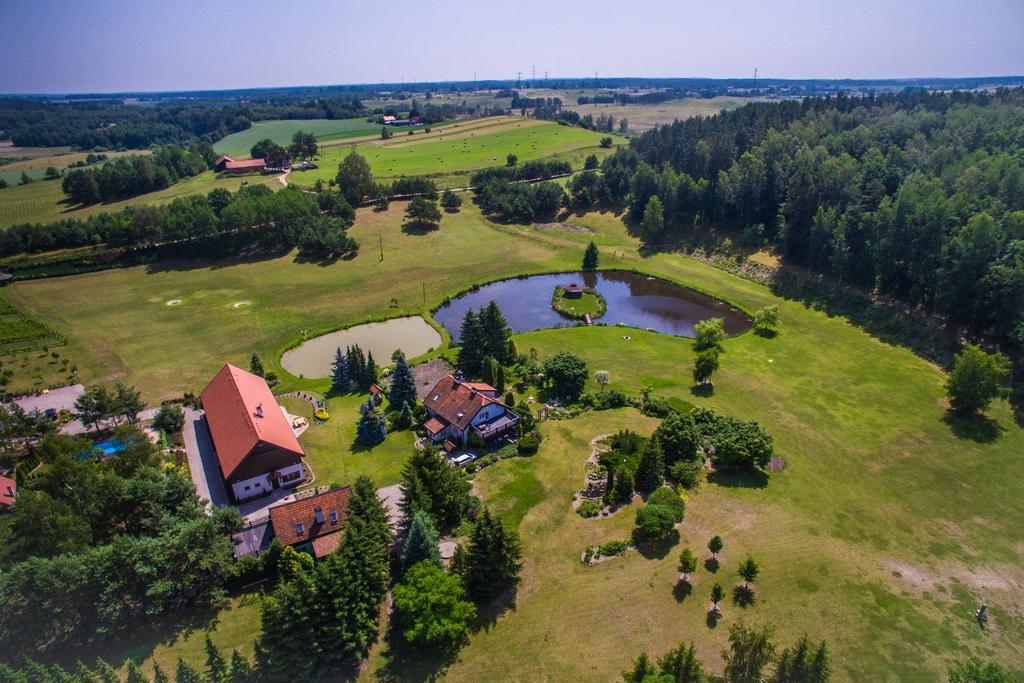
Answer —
(533, 79)
(755, 78)
(381, 247)
(424, 293)
(519, 80)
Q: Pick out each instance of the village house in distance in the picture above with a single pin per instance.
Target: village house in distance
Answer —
(460, 409)
(255, 444)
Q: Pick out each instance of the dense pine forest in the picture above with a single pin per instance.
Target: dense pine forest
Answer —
(918, 196)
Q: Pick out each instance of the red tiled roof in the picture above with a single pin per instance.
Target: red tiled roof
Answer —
(326, 544)
(8, 488)
(374, 389)
(242, 414)
(222, 157)
(481, 386)
(456, 402)
(433, 425)
(285, 518)
(245, 163)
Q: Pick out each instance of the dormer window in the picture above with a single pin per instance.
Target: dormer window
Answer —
(334, 518)
(319, 515)
(436, 396)
(299, 529)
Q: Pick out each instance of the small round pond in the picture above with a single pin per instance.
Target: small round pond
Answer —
(412, 335)
(633, 299)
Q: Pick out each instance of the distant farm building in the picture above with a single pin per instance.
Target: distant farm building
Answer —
(255, 444)
(458, 409)
(413, 121)
(312, 524)
(226, 164)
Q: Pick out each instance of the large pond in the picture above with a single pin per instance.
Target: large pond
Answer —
(412, 335)
(633, 299)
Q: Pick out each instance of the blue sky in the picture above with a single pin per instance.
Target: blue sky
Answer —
(92, 46)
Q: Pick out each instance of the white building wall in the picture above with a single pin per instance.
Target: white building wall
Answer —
(259, 486)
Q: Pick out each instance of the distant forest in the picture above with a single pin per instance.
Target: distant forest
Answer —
(917, 196)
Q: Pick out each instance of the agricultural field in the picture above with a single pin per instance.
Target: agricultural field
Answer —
(35, 167)
(44, 201)
(644, 116)
(886, 527)
(450, 156)
(238, 144)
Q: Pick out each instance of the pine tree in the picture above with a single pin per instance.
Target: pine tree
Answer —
(682, 665)
(492, 560)
(356, 366)
(105, 673)
(241, 671)
(133, 673)
(496, 333)
(216, 667)
(340, 379)
(366, 506)
(431, 484)
(591, 257)
(370, 376)
(403, 386)
(624, 486)
(499, 380)
(642, 670)
(488, 370)
(186, 673)
(650, 469)
(371, 429)
(256, 365)
(421, 542)
(471, 341)
(158, 674)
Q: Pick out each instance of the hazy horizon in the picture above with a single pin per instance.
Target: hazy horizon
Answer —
(120, 46)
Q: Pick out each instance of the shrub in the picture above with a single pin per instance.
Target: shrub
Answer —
(653, 523)
(588, 508)
(509, 451)
(670, 500)
(528, 444)
(470, 468)
(686, 474)
(614, 548)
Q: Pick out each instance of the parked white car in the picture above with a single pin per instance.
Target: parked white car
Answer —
(462, 460)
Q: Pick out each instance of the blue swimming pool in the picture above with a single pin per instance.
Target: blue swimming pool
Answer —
(103, 449)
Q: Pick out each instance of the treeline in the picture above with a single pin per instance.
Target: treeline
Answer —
(918, 196)
(135, 175)
(627, 98)
(501, 192)
(104, 126)
(217, 224)
(94, 549)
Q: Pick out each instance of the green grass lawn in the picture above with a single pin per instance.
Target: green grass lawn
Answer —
(333, 453)
(884, 531)
(238, 144)
(44, 202)
(585, 304)
(459, 152)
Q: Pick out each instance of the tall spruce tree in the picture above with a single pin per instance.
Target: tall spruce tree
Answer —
(241, 670)
(372, 426)
(186, 673)
(489, 370)
(421, 542)
(403, 386)
(591, 257)
(492, 561)
(365, 505)
(430, 484)
(370, 374)
(471, 344)
(216, 666)
(256, 365)
(650, 470)
(340, 379)
(495, 332)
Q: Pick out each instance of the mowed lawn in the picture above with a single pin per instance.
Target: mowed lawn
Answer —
(644, 116)
(238, 144)
(45, 202)
(882, 534)
(460, 151)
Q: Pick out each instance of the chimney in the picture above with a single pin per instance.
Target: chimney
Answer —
(259, 410)
(457, 376)
(472, 392)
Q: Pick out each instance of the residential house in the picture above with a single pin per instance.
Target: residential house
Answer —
(255, 444)
(8, 492)
(459, 409)
(226, 164)
(313, 524)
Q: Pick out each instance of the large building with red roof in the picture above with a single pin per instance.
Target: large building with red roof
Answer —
(255, 444)
(226, 164)
(458, 409)
(312, 524)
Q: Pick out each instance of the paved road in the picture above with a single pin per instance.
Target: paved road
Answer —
(202, 460)
(62, 398)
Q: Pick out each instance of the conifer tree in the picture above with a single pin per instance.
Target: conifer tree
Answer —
(372, 426)
(366, 506)
(471, 349)
(624, 486)
(370, 375)
(495, 332)
(256, 365)
(403, 386)
(158, 674)
(216, 667)
(682, 665)
(340, 379)
(650, 469)
(186, 673)
(405, 417)
(591, 257)
(488, 370)
(430, 484)
(133, 674)
(499, 380)
(421, 543)
(241, 670)
(492, 561)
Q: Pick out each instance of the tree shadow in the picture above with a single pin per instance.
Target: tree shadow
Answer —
(406, 662)
(766, 333)
(713, 617)
(657, 550)
(682, 590)
(979, 428)
(743, 596)
(419, 227)
(487, 613)
(748, 479)
(703, 390)
(712, 564)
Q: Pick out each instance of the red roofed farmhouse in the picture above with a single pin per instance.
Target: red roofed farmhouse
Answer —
(458, 409)
(312, 524)
(226, 164)
(257, 450)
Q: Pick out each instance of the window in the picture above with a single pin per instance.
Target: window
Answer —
(436, 396)
(319, 513)
(299, 528)
(334, 517)
(247, 487)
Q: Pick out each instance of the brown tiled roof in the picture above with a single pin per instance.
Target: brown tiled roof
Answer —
(457, 402)
(480, 386)
(242, 414)
(285, 518)
(374, 389)
(326, 544)
(433, 425)
(245, 163)
(8, 488)
(222, 157)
